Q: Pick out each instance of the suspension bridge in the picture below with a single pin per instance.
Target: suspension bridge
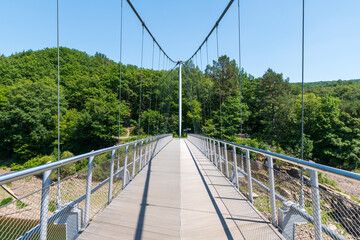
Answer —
(166, 187)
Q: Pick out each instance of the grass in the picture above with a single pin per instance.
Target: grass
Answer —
(52, 206)
(20, 205)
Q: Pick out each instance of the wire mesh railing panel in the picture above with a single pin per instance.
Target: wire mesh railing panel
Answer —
(340, 214)
(320, 206)
(242, 178)
(20, 215)
(60, 211)
(99, 198)
(261, 197)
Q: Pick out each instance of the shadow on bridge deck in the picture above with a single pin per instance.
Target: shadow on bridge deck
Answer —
(179, 196)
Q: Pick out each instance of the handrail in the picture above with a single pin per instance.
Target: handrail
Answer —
(6, 178)
(302, 163)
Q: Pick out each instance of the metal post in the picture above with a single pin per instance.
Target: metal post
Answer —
(208, 148)
(226, 161)
(44, 204)
(125, 167)
(180, 98)
(141, 155)
(272, 190)
(146, 152)
(134, 161)
(219, 157)
(111, 175)
(249, 175)
(88, 191)
(235, 168)
(215, 155)
(150, 149)
(242, 161)
(315, 198)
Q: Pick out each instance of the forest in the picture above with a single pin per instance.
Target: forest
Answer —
(267, 116)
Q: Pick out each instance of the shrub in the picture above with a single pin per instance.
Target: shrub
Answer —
(6, 201)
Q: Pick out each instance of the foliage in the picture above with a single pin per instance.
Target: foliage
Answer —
(6, 201)
(271, 109)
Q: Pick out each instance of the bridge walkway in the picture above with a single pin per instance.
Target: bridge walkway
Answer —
(180, 194)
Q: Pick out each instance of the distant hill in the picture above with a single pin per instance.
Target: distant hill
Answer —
(324, 83)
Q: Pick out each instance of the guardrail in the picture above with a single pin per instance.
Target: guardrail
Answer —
(301, 210)
(61, 210)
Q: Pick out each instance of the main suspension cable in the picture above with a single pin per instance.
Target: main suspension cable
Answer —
(212, 30)
(147, 29)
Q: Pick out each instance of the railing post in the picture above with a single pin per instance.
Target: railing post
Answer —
(248, 163)
(315, 198)
(215, 155)
(235, 168)
(88, 191)
(44, 205)
(204, 145)
(111, 175)
(226, 161)
(150, 149)
(242, 161)
(219, 157)
(146, 152)
(272, 190)
(134, 162)
(211, 150)
(141, 155)
(207, 148)
(125, 167)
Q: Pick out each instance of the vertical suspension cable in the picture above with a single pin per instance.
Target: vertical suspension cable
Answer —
(217, 41)
(203, 100)
(120, 65)
(152, 69)
(121, 21)
(209, 90)
(141, 75)
(301, 200)
(240, 76)
(157, 88)
(220, 102)
(207, 53)
(58, 195)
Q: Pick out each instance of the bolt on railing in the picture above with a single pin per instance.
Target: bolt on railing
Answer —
(96, 192)
(276, 187)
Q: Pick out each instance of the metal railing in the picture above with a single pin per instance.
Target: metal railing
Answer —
(62, 210)
(300, 210)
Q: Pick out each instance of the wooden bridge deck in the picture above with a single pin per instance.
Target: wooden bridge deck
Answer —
(180, 195)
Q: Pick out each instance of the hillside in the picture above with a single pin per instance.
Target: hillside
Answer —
(271, 108)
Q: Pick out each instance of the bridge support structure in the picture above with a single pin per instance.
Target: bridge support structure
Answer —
(180, 97)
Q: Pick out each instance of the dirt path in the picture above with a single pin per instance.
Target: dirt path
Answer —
(348, 186)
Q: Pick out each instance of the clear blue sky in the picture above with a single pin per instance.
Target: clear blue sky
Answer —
(271, 32)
